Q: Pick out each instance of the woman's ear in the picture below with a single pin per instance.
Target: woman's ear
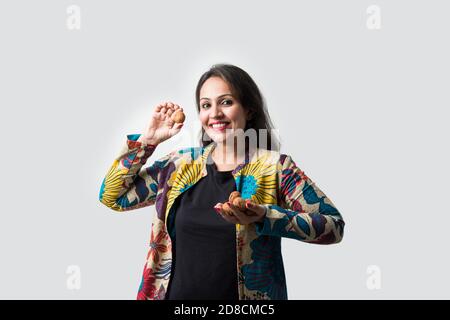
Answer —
(249, 114)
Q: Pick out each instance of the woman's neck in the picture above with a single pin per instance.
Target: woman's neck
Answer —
(228, 155)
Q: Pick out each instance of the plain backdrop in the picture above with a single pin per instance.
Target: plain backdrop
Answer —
(364, 112)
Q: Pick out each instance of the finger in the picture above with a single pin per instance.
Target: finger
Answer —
(220, 212)
(251, 216)
(218, 207)
(241, 216)
(177, 127)
(158, 109)
(157, 115)
(169, 112)
(256, 208)
(179, 108)
(229, 218)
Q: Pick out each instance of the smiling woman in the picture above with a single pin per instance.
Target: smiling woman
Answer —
(226, 86)
(204, 246)
(229, 102)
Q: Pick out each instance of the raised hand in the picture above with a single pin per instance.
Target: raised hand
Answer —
(161, 127)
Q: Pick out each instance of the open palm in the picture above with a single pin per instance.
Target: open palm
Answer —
(161, 127)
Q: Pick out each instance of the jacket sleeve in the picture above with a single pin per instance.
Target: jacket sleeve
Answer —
(305, 213)
(127, 185)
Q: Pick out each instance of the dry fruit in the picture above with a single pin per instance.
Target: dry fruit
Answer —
(226, 209)
(178, 116)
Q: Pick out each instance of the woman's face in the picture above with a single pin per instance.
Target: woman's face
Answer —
(218, 105)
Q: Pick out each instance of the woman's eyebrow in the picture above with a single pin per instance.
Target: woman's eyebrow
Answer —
(222, 95)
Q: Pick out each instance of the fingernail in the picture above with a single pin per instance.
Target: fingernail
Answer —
(217, 209)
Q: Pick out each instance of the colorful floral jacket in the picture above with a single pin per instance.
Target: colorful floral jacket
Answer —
(295, 208)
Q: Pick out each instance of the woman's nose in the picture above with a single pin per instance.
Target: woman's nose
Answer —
(216, 111)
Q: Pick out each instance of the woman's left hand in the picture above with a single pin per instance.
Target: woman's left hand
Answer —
(255, 213)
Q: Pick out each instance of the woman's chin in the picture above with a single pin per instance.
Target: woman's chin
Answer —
(220, 137)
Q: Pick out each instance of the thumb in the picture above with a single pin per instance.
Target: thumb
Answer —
(176, 128)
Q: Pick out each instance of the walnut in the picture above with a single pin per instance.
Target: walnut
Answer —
(233, 195)
(226, 209)
(236, 199)
(178, 116)
(240, 203)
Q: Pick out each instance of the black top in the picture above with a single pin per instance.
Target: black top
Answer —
(204, 248)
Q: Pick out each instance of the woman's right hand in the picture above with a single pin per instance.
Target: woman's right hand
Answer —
(161, 127)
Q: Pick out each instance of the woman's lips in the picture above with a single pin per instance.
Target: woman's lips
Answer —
(222, 128)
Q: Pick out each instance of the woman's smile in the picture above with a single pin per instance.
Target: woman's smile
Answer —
(220, 126)
(219, 111)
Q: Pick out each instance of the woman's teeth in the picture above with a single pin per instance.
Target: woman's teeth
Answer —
(219, 125)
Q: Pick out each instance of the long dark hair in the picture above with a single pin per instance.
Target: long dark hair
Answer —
(248, 94)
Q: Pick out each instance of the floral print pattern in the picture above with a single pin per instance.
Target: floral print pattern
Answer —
(296, 208)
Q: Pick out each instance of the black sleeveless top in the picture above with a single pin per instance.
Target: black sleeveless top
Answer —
(204, 249)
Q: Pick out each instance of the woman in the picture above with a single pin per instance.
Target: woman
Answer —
(234, 254)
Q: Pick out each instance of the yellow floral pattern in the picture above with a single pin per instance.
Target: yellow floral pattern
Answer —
(296, 208)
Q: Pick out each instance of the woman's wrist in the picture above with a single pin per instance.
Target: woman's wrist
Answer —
(149, 141)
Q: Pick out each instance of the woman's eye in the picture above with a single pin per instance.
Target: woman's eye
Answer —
(228, 102)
